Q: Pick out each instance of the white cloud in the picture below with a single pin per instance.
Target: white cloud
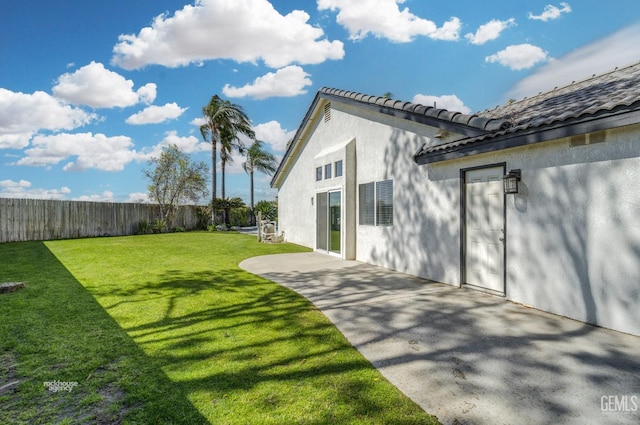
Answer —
(198, 121)
(489, 31)
(233, 166)
(147, 93)
(272, 133)
(244, 31)
(517, 57)
(618, 49)
(22, 190)
(94, 85)
(89, 151)
(10, 184)
(22, 115)
(139, 198)
(106, 196)
(450, 102)
(156, 114)
(383, 18)
(449, 31)
(551, 12)
(285, 82)
(188, 144)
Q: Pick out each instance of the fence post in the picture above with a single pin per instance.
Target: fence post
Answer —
(259, 223)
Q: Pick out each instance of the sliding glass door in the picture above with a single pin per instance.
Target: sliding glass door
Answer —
(329, 221)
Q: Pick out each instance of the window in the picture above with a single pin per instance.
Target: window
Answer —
(318, 173)
(366, 199)
(376, 203)
(384, 203)
(327, 171)
(338, 168)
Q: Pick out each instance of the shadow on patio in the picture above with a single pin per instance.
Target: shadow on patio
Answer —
(462, 355)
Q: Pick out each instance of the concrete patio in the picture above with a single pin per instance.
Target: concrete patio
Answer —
(467, 357)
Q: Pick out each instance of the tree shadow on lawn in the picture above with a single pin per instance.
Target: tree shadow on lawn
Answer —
(54, 330)
(239, 342)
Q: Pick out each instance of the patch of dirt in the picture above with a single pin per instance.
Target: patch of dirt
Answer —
(8, 376)
(10, 399)
(83, 404)
(106, 406)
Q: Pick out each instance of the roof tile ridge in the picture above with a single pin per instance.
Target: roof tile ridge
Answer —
(474, 120)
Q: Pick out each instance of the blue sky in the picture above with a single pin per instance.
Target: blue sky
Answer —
(90, 90)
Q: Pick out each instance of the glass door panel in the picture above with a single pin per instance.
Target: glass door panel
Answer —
(334, 222)
(321, 221)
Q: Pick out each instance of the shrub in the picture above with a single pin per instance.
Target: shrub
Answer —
(159, 225)
(268, 209)
(143, 227)
(240, 217)
(204, 217)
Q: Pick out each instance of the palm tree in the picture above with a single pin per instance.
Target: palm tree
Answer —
(258, 159)
(221, 114)
(228, 142)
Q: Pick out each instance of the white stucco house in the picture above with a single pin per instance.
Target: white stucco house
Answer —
(421, 190)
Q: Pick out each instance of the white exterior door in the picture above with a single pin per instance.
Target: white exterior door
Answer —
(484, 224)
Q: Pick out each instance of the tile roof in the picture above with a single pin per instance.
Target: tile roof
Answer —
(612, 92)
(590, 96)
(484, 124)
(615, 92)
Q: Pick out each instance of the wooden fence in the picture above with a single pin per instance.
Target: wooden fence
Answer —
(39, 219)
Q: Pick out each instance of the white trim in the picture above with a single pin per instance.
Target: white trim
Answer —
(334, 148)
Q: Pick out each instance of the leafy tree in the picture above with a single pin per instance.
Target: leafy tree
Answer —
(175, 180)
(258, 159)
(221, 114)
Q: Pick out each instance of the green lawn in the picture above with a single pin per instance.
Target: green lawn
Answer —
(167, 329)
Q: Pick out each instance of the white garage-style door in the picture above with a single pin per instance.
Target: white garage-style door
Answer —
(484, 229)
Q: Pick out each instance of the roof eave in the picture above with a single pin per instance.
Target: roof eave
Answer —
(432, 121)
(554, 131)
(280, 171)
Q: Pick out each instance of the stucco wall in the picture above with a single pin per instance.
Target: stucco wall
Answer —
(424, 239)
(296, 210)
(572, 233)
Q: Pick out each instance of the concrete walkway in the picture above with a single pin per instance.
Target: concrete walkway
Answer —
(467, 357)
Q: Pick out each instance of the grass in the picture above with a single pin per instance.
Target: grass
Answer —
(167, 329)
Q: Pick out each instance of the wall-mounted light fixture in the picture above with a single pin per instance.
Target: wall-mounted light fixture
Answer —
(510, 181)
